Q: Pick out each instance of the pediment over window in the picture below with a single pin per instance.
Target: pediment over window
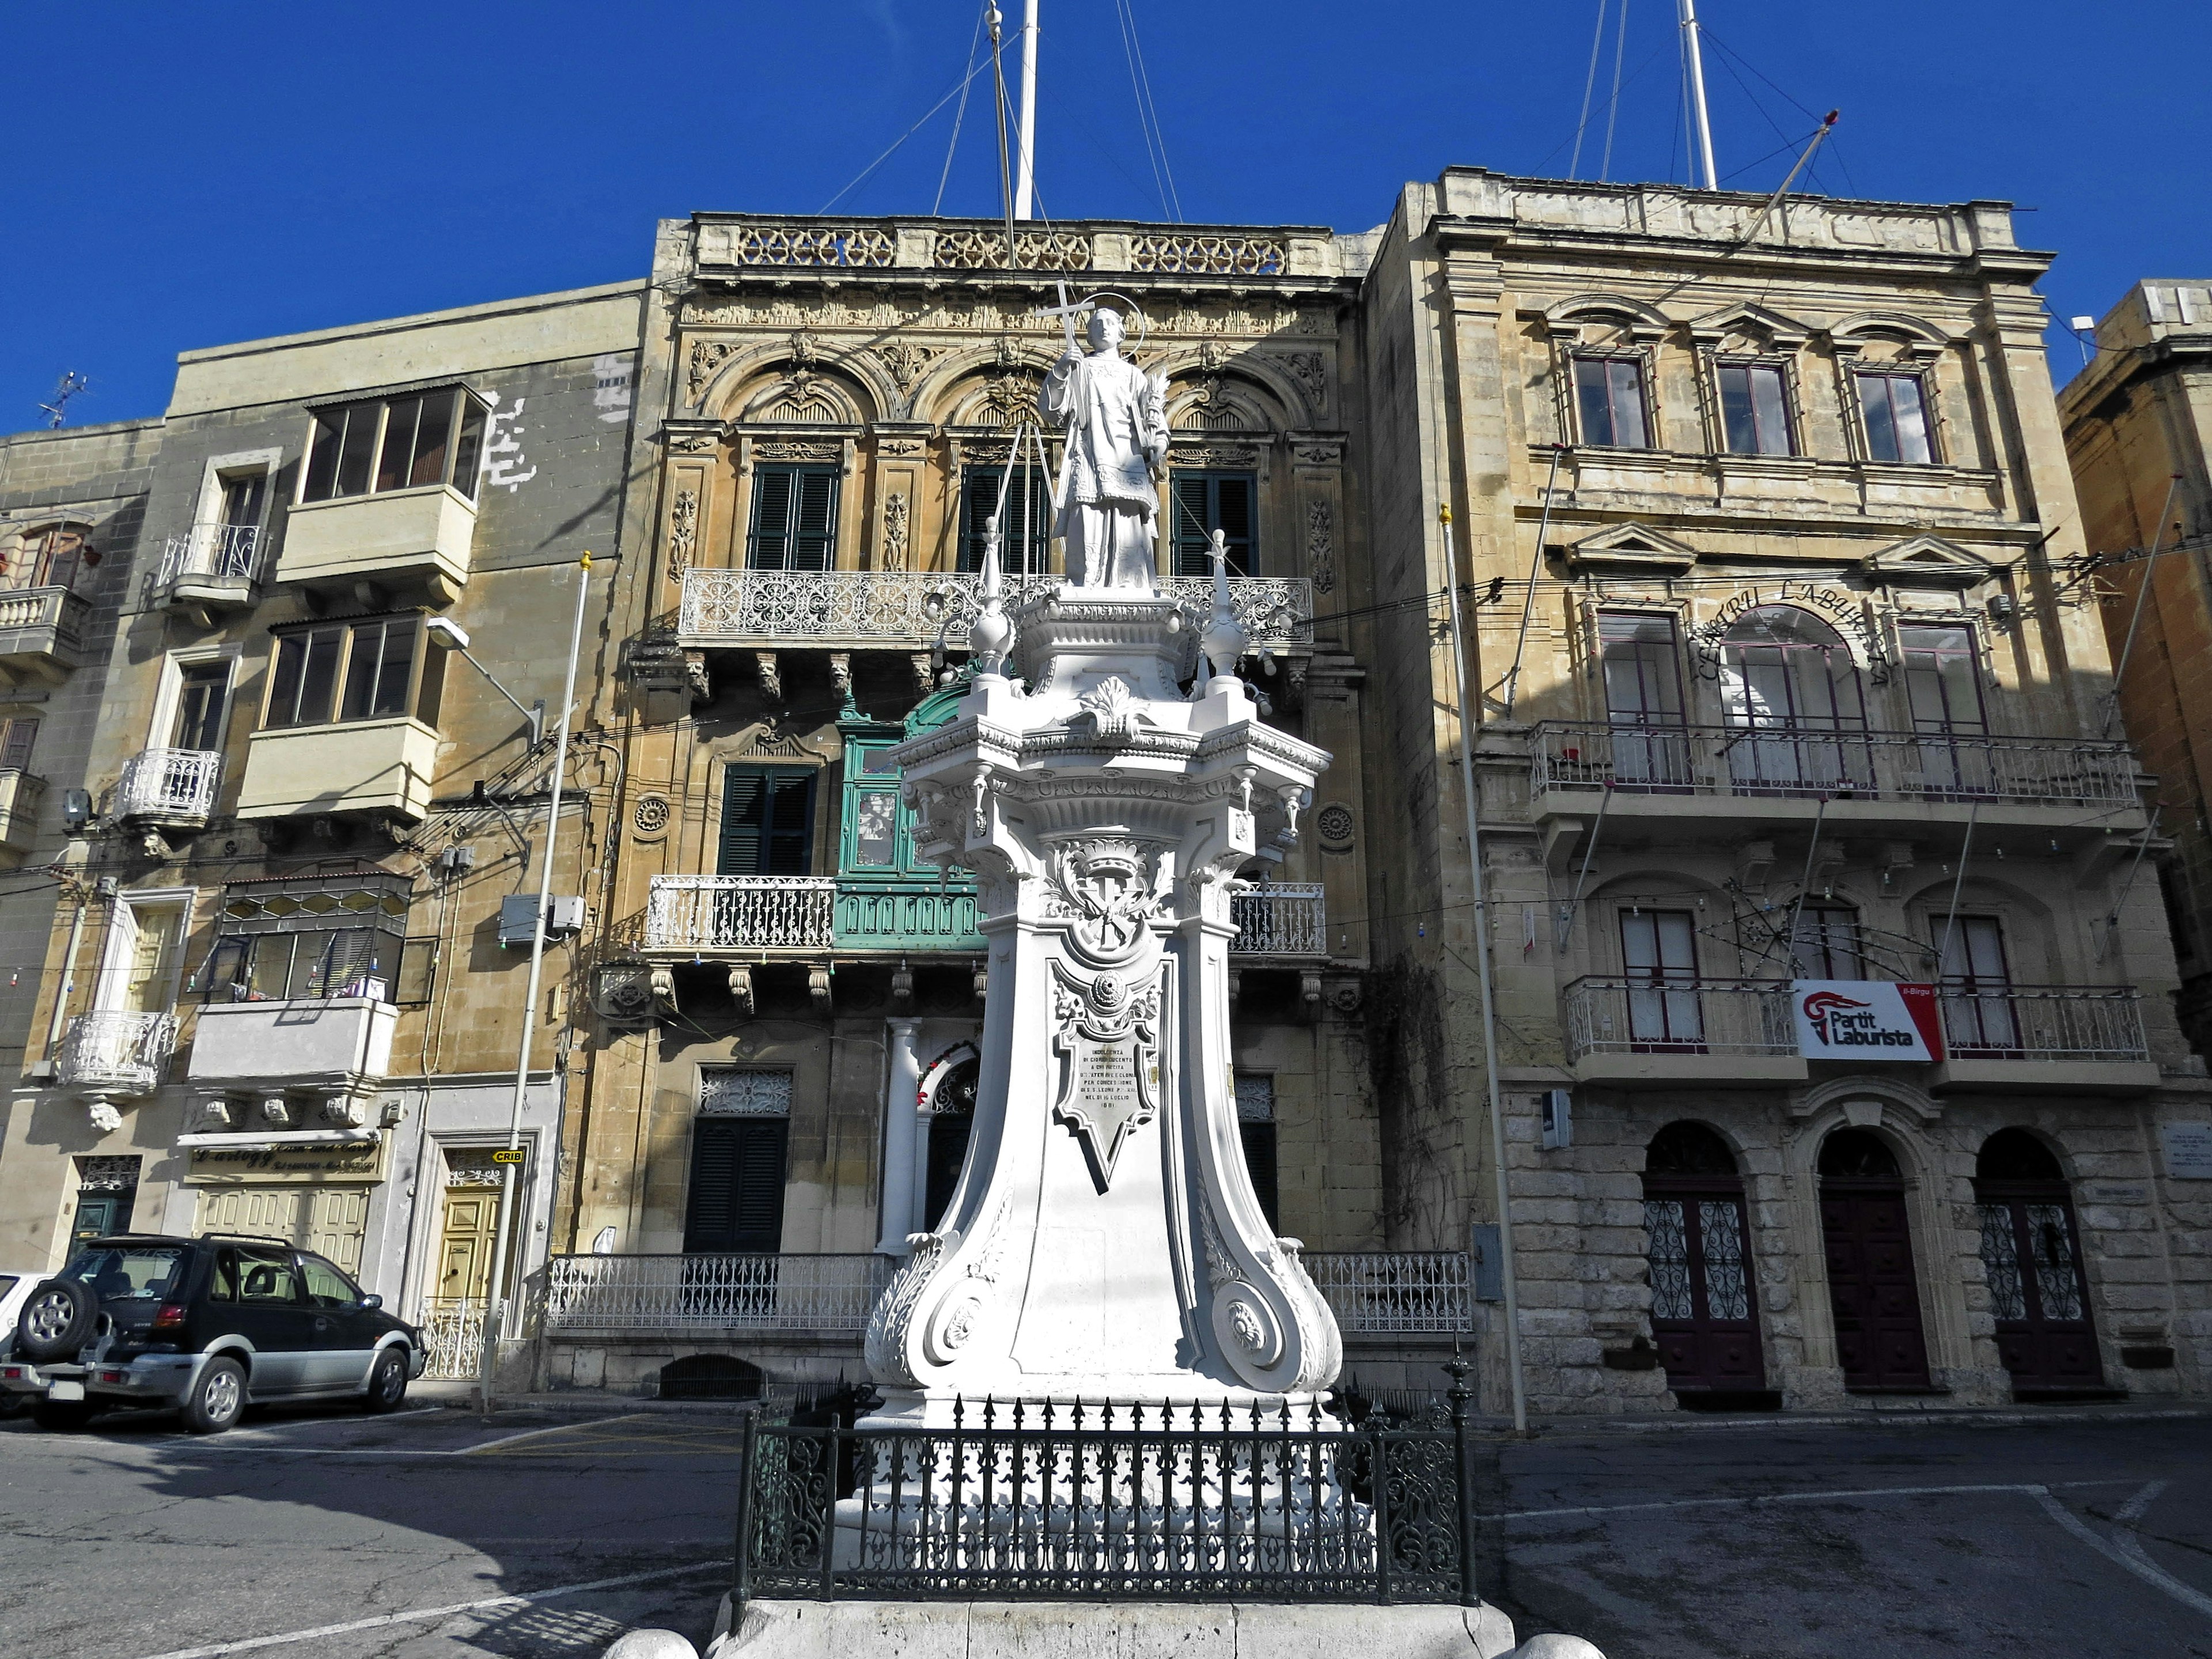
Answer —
(1631, 547)
(1753, 325)
(1929, 562)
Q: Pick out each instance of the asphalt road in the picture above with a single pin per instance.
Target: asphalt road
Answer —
(428, 1534)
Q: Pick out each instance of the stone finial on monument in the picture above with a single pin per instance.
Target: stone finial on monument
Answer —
(991, 636)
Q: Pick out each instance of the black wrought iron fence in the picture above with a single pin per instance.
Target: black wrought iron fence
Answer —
(1099, 1500)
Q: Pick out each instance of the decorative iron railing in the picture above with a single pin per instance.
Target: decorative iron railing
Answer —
(819, 1293)
(1091, 1500)
(228, 550)
(1395, 1292)
(1284, 919)
(1678, 1017)
(169, 783)
(916, 608)
(2043, 1022)
(1776, 759)
(765, 913)
(43, 607)
(1210, 256)
(114, 1051)
(453, 1338)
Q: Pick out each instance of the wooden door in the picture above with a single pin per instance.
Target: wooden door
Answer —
(1704, 1308)
(2031, 1252)
(736, 1202)
(465, 1233)
(1871, 1284)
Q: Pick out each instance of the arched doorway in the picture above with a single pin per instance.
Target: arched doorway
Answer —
(1871, 1282)
(952, 1121)
(2030, 1250)
(1704, 1305)
(1789, 681)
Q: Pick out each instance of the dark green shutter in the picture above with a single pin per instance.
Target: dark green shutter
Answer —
(768, 821)
(736, 1202)
(769, 547)
(814, 536)
(1191, 525)
(1260, 1163)
(1204, 502)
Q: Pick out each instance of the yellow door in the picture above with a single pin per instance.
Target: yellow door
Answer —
(465, 1242)
(147, 979)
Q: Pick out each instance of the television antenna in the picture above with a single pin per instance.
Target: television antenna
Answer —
(70, 385)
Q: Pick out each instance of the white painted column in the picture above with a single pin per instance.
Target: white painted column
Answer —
(902, 1165)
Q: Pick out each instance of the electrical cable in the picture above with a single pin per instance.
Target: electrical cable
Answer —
(960, 115)
(1589, 86)
(959, 87)
(1613, 104)
(1159, 134)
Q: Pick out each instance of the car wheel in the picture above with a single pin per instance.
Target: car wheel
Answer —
(217, 1397)
(63, 1416)
(387, 1382)
(57, 1320)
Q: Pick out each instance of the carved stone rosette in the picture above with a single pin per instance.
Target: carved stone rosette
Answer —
(1104, 1239)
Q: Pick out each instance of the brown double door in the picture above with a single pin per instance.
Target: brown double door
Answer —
(1872, 1284)
(2030, 1255)
(1705, 1310)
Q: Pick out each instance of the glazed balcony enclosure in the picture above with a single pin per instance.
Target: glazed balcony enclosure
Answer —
(328, 1044)
(765, 917)
(1756, 777)
(1667, 1032)
(418, 536)
(364, 766)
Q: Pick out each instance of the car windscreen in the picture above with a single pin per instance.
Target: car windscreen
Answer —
(125, 1272)
(9, 1282)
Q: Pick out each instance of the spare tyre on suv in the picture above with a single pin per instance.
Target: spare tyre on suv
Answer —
(208, 1324)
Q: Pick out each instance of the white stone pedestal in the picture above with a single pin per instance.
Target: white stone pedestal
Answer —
(1105, 1240)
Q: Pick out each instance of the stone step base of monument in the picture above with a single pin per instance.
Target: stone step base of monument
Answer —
(1102, 1630)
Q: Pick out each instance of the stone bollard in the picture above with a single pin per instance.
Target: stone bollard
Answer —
(1547, 1646)
(667, 1644)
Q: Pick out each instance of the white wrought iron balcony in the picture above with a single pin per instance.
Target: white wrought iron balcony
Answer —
(828, 1294)
(1395, 1293)
(2044, 1023)
(169, 785)
(913, 609)
(1572, 762)
(115, 1052)
(748, 913)
(1744, 1018)
(1284, 919)
(213, 553)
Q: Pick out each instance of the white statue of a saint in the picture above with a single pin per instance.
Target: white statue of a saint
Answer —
(1115, 418)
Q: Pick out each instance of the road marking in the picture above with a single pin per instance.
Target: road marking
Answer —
(2124, 1550)
(385, 1620)
(1793, 1497)
(2136, 1507)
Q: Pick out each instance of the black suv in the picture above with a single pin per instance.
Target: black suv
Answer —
(207, 1324)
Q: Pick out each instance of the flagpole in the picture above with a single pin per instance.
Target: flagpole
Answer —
(1026, 170)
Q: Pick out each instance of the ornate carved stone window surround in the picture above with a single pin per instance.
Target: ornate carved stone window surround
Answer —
(1884, 346)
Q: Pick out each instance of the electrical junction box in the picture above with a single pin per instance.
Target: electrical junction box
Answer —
(1556, 1119)
(564, 917)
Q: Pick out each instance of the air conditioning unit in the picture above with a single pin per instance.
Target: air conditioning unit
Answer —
(564, 917)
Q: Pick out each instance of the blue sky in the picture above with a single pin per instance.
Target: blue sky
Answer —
(183, 176)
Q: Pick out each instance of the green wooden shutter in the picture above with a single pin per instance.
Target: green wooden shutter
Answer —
(768, 547)
(1232, 516)
(1204, 502)
(789, 824)
(1192, 525)
(744, 801)
(814, 531)
(736, 1200)
(1260, 1163)
(979, 499)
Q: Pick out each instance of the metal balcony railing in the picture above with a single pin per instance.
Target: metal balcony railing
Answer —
(169, 783)
(1395, 1292)
(113, 1051)
(2043, 1022)
(607, 1293)
(1284, 919)
(1786, 760)
(1677, 1017)
(766, 913)
(913, 608)
(224, 550)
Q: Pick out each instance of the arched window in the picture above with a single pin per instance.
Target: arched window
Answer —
(2032, 1256)
(1789, 680)
(1704, 1302)
(951, 1124)
(1872, 1285)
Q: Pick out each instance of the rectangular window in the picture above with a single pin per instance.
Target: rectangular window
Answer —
(241, 499)
(1977, 986)
(1658, 948)
(1755, 409)
(768, 821)
(1255, 1126)
(1942, 678)
(17, 737)
(794, 518)
(55, 558)
(1203, 502)
(1609, 396)
(1025, 530)
(418, 970)
(294, 938)
(1895, 409)
(1824, 943)
(375, 659)
(395, 443)
(1644, 700)
(736, 1200)
(202, 695)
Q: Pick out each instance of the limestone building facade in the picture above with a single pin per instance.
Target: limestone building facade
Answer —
(1762, 527)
